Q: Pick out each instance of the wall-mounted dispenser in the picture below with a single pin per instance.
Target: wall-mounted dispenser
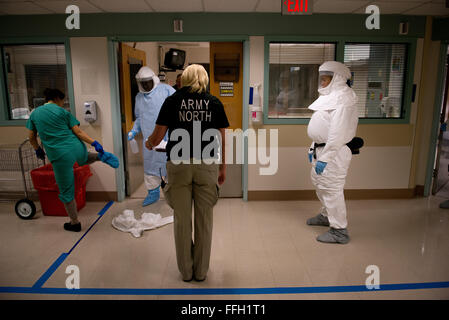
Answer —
(255, 105)
(90, 111)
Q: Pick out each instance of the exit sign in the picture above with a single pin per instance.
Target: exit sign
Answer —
(296, 7)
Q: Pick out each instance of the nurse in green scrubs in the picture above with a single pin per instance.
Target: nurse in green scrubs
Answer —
(63, 139)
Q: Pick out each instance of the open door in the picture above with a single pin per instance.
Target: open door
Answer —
(226, 83)
(130, 61)
(441, 170)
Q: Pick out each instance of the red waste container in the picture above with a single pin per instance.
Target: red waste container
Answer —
(45, 184)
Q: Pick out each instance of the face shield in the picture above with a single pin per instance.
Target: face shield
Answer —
(325, 78)
(146, 80)
(147, 84)
(333, 75)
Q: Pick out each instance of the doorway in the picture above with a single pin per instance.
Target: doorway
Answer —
(440, 186)
(224, 63)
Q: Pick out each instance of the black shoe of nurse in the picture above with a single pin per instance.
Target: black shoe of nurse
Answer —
(72, 227)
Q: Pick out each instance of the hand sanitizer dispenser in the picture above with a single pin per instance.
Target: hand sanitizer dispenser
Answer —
(255, 106)
(90, 111)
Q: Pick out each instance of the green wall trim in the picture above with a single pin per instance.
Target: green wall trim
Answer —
(340, 43)
(145, 24)
(4, 105)
(245, 117)
(116, 119)
(69, 72)
(436, 120)
(340, 51)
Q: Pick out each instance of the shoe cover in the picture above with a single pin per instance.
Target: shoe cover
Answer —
(152, 197)
(334, 236)
(109, 159)
(126, 222)
(318, 220)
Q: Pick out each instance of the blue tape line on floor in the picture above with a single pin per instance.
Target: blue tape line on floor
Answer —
(224, 291)
(39, 283)
(100, 215)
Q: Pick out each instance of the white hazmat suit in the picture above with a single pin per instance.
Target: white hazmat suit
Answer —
(334, 122)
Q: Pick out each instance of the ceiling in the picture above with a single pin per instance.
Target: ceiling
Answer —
(408, 7)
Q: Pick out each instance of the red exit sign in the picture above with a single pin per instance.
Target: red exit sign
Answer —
(296, 7)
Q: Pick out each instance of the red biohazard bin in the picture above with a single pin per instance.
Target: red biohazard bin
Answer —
(45, 184)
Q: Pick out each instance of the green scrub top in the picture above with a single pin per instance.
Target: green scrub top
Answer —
(54, 125)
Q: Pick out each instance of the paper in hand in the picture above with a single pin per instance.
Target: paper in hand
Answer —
(161, 146)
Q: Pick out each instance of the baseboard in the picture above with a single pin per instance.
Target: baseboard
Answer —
(354, 194)
(101, 196)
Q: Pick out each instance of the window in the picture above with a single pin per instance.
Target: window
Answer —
(29, 70)
(293, 77)
(378, 76)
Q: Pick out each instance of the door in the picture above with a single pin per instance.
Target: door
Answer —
(130, 61)
(441, 171)
(226, 83)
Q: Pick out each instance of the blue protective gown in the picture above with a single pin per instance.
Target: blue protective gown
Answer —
(146, 111)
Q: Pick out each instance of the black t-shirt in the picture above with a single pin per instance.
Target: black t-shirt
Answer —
(187, 110)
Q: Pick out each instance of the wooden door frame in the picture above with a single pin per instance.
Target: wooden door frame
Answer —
(115, 96)
(125, 87)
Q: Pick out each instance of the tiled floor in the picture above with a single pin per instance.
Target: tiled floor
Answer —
(255, 245)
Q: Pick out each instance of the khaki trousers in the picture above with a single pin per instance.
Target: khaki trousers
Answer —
(197, 183)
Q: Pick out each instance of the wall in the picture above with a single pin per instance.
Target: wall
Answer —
(91, 82)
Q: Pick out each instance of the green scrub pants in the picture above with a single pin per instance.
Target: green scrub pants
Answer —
(64, 175)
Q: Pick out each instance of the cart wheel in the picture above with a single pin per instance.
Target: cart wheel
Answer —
(25, 209)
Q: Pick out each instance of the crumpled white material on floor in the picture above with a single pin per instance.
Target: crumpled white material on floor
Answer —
(126, 222)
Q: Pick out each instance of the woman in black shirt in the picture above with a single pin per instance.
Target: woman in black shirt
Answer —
(196, 123)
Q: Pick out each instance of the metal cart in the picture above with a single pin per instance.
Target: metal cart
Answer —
(16, 163)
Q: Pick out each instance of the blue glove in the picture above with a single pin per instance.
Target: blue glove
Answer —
(98, 147)
(319, 167)
(131, 135)
(40, 153)
(310, 157)
(444, 127)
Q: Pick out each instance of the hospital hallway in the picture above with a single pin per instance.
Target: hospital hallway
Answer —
(260, 250)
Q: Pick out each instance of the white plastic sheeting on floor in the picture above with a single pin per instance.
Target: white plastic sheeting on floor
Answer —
(126, 222)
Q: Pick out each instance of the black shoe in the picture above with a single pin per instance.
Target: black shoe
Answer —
(188, 280)
(72, 227)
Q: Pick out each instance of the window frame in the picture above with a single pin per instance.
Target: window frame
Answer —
(4, 99)
(340, 43)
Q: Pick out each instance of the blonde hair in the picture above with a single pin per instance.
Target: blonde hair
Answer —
(195, 77)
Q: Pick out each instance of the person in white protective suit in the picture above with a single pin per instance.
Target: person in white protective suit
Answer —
(332, 126)
(149, 100)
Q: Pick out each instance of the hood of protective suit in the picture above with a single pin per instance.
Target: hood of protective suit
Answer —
(337, 93)
(146, 74)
